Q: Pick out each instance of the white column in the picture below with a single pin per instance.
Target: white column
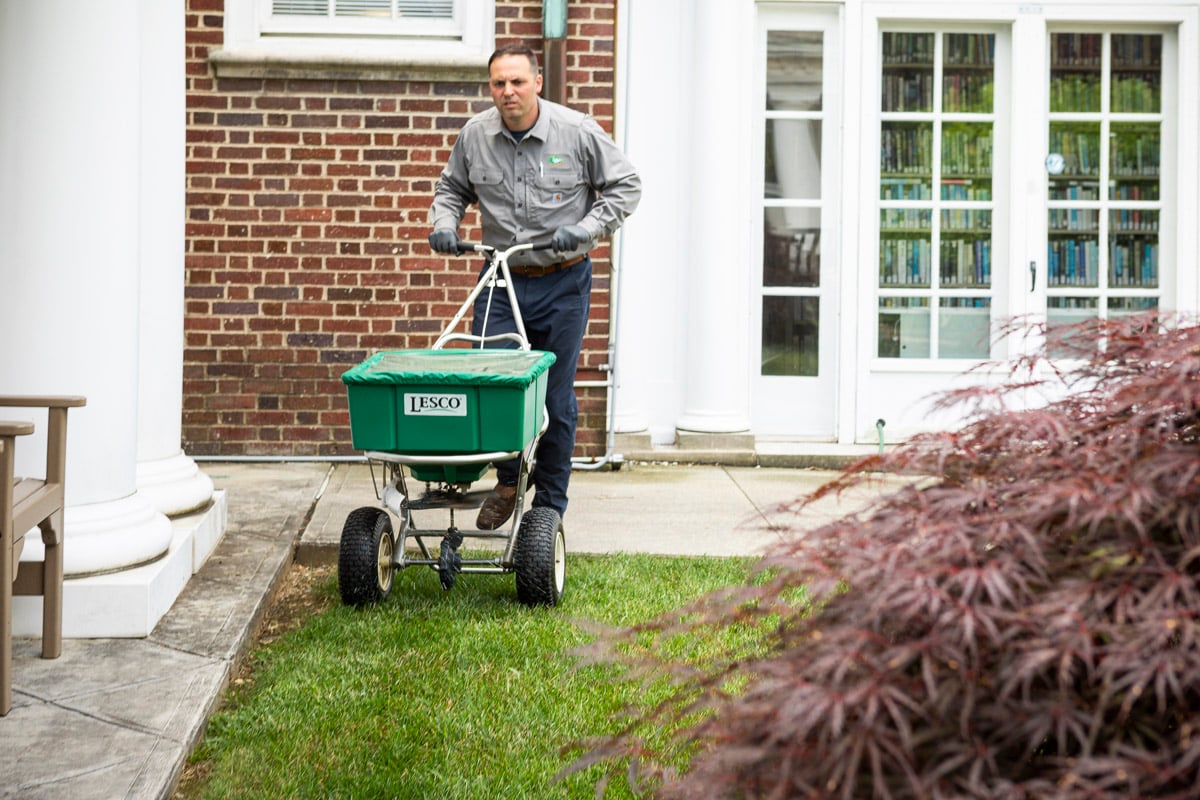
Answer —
(69, 221)
(652, 248)
(167, 479)
(716, 392)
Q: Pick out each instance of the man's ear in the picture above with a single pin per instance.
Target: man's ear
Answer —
(537, 82)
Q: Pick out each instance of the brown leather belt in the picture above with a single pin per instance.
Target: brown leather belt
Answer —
(549, 269)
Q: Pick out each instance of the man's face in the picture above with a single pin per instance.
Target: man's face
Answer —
(514, 91)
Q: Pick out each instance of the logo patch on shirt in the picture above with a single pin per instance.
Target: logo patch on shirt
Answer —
(554, 160)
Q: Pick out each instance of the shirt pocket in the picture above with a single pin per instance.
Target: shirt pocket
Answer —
(487, 184)
(559, 189)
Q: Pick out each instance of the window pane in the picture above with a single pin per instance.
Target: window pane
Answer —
(1134, 159)
(967, 161)
(905, 237)
(907, 72)
(967, 72)
(1133, 249)
(363, 8)
(794, 64)
(966, 249)
(792, 247)
(1062, 311)
(964, 327)
(790, 335)
(1075, 71)
(1079, 145)
(793, 159)
(906, 161)
(300, 7)
(1137, 73)
(1127, 306)
(380, 9)
(1073, 247)
(441, 9)
(903, 327)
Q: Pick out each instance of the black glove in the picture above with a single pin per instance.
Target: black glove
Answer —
(568, 238)
(445, 241)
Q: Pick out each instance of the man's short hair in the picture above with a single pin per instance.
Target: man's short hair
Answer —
(515, 49)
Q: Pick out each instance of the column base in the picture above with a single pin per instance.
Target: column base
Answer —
(173, 485)
(129, 603)
(699, 422)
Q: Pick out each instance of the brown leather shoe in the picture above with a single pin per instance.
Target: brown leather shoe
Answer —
(497, 508)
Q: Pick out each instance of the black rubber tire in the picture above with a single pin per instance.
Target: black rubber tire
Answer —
(540, 558)
(365, 568)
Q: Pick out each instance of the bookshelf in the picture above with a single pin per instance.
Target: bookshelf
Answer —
(1104, 206)
(936, 198)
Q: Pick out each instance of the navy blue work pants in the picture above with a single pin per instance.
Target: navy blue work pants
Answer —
(554, 309)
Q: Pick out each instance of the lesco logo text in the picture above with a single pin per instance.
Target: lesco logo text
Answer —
(435, 405)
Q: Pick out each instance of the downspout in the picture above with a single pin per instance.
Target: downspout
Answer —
(554, 50)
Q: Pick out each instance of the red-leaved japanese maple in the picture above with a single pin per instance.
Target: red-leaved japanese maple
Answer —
(1020, 623)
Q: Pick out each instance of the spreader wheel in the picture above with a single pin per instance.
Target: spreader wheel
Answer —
(365, 557)
(540, 558)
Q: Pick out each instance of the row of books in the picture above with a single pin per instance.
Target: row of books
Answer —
(1076, 49)
(1080, 150)
(1075, 92)
(958, 49)
(1078, 262)
(907, 91)
(967, 188)
(1071, 189)
(1136, 155)
(1073, 219)
(965, 151)
(906, 148)
(904, 262)
(1137, 50)
(1073, 262)
(1133, 264)
(915, 188)
(977, 49)
(969, 93)
(1087, 220)
(1136, 95)
(1139, 191)
(909, 149)
(964, 263)
(907, 48)
(1133, 219)
(966, 220)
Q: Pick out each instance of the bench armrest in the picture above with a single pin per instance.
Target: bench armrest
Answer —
(42, 401)
(8, 429)
(56, 433)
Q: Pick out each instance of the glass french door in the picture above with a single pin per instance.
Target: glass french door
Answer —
(936, 195)
(794, 377)
(1105, 172)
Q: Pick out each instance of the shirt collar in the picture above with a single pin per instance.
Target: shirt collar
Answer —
(539, 131)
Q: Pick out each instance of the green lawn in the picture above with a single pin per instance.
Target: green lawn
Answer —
(432, 694)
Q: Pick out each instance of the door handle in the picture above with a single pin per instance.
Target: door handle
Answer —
(1032, 275)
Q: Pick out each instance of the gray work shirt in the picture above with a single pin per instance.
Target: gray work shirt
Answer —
(565, 171)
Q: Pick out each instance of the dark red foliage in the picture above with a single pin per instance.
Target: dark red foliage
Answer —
(1021, 623)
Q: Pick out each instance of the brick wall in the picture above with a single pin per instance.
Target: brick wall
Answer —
(306, 235)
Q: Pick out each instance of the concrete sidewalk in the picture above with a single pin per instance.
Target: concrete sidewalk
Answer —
(116, 718)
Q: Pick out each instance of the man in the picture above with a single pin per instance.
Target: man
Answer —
(538, 171)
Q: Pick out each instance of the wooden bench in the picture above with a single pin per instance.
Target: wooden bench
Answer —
(26, 503)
